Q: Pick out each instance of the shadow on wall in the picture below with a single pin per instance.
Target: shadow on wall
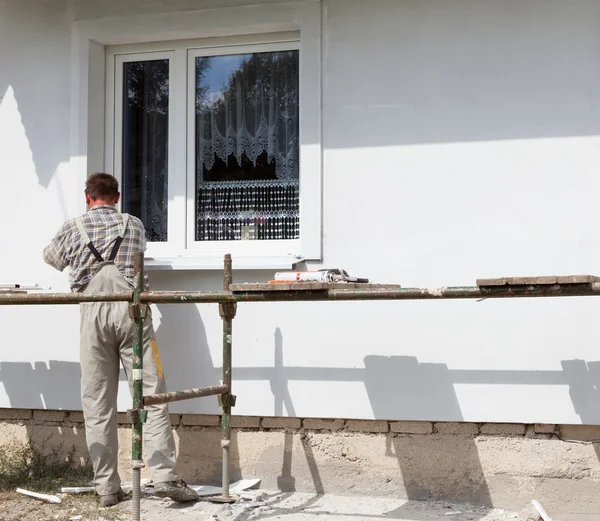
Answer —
(397, 387)
(527, 66)
(401, 387)
(52, 385)
(38, 79)
(532, 78)
(425, 466)
(187, 361)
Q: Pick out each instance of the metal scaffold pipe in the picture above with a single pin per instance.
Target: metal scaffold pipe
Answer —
(227, 311)
(15, 299)
(188, 394)
(223, 297)
(138, 314)
(442, 293)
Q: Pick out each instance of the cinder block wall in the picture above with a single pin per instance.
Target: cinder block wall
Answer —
(501, 465)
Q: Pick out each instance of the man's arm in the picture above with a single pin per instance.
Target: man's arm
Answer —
(55, 253)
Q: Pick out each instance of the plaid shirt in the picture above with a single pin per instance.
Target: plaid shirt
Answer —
(102, 223)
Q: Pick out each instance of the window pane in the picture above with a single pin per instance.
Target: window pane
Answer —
(247, 147)
(145, 144)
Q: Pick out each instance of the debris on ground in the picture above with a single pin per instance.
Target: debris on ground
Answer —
(235, 489)
(252, 505)
(44, 497)
(541, 511)
(77, 490)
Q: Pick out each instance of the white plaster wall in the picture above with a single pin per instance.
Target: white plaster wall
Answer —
(460, 141)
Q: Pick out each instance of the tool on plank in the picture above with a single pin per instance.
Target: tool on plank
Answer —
(13, 287)
(324, 275)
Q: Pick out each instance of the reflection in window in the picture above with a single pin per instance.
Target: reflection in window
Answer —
(247, 147)
(145, 144)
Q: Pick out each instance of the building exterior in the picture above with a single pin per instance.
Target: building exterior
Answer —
(424, 143)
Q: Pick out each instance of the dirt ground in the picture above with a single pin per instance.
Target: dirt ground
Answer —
(271, 505)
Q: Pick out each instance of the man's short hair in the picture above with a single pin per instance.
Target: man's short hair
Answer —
(101, 185)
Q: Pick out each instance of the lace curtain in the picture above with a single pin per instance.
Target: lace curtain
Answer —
(256, 111)
(248, 210)
(247, 110)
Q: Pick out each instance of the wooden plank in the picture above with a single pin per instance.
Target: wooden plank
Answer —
(578, 279)
(491, 282)
(527, 281)
(544, 280)
(307, 286)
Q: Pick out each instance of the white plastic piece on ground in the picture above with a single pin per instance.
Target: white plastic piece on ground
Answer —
(206, 490)
(455, 513)
(75, 518)
(541, 511)
(254, 504)
(45, 497)
(251, 496)
(76, 490)
(235, 488)
(244, 484)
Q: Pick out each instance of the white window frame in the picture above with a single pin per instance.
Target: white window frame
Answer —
(92, 42)
(114, 138)
(181, 242)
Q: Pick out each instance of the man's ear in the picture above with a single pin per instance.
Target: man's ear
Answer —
(117, 198)
(88, 199)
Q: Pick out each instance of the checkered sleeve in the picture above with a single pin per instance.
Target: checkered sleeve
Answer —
(56, 253)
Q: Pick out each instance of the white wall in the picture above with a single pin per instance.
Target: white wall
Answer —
(460, 141)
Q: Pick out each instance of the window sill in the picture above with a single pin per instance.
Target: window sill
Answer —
(216, 263)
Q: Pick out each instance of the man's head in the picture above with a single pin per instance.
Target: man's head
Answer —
(101, 188)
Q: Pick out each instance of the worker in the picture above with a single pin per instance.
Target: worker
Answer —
(99, 247)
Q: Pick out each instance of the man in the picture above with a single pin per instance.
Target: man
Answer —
(99, 247)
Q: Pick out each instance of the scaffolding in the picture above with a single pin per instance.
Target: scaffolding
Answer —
(232, 294)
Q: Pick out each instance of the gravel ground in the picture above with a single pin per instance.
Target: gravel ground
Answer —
(277, 506)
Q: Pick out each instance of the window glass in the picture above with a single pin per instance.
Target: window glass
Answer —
(145, 144)
(247, 146)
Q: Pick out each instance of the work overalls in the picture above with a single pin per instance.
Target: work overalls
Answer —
(106, 336)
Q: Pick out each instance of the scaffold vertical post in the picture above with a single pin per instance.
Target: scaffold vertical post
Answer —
(137, 312)
(227, 400)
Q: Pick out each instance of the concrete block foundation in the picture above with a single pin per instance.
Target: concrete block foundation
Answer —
(499, 465)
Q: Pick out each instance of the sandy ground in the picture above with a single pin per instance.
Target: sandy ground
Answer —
(277, 506)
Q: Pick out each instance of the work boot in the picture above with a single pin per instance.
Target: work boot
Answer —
(110, 500)
(175, 490)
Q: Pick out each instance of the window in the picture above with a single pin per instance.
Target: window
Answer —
(145, 138)
(207, 146)
(246, 146)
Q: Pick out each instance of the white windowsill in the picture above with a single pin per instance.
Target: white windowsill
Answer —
(216, 263)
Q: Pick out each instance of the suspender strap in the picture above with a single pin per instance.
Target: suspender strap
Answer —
(115, 250)
(90, 245)
(86, 239)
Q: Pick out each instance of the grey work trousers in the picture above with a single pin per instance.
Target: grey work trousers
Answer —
(106, 337)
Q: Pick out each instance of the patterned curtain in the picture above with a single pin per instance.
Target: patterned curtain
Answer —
(247, 146)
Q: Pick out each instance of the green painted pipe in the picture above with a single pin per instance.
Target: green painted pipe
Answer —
(137, 312)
